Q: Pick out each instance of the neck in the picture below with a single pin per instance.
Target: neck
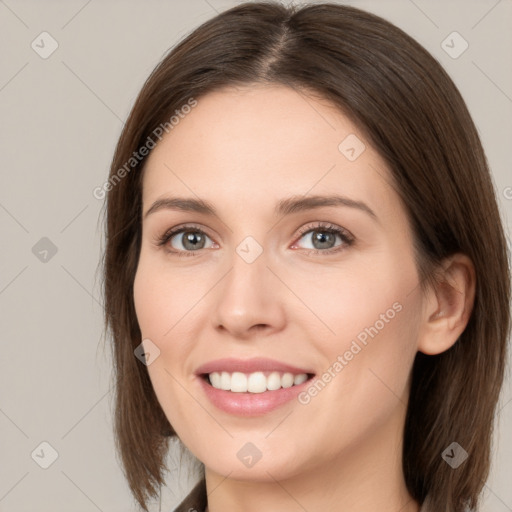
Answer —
(362, 478)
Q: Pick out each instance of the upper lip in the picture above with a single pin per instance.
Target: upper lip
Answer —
(258, 364)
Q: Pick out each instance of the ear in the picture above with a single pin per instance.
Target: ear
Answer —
(448, 306)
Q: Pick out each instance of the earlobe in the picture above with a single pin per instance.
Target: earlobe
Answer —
(448, 307)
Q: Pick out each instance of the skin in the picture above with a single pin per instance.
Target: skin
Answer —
(242, 150)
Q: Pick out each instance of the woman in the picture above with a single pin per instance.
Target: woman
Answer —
(306, 276)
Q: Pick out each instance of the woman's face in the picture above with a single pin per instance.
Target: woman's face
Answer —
(278, 281)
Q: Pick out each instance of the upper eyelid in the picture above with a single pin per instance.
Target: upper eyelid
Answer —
(324, 225)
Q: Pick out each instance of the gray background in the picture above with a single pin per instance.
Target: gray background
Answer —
(60, 119)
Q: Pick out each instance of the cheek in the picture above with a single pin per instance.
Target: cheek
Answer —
(378, 343)
(366, 374)
(164, 304)
(160, 302)
(369, 293)
(164, 298)
(369, 327)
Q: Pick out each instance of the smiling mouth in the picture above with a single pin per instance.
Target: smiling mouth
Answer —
(255, 382)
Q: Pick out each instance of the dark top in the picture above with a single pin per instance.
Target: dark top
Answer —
(196, 500)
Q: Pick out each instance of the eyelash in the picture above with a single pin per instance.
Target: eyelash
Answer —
(346, 237)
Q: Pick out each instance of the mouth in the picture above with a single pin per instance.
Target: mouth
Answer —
(255, 382)
(251, 387)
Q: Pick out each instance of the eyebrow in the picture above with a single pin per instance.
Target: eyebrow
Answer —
(282, 208)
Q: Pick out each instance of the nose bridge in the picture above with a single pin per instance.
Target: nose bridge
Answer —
(248, 295)
(247, 281)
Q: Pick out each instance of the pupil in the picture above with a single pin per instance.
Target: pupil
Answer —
(324, 238)
(192, 238)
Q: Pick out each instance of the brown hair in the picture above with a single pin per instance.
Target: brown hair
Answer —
(413, 115)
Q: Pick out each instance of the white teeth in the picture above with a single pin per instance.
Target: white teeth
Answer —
(215, 380)
(287, 380)
(225, 381)
(274, 381)
(299, 379)
(256, 382)
(239, 382)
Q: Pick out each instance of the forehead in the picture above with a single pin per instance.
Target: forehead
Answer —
(250, 144)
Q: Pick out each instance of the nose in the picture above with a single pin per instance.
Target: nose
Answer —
(248, 301)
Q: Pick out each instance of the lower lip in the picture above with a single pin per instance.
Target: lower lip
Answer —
(250, 404)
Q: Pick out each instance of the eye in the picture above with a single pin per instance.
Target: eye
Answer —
(322, 238)
(185, 240)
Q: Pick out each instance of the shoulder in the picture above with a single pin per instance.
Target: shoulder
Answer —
(195, 501)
